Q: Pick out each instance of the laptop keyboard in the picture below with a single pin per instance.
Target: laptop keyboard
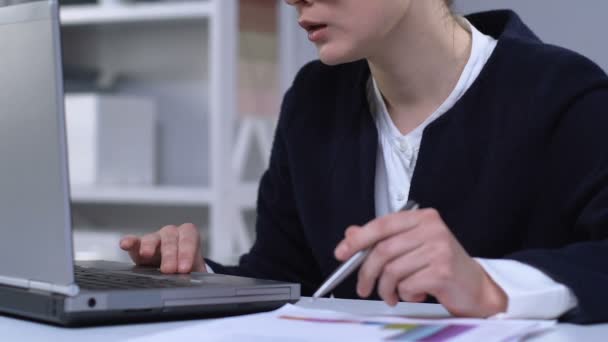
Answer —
(92, 279)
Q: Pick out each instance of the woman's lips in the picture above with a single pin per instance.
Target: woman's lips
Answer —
(316, 31)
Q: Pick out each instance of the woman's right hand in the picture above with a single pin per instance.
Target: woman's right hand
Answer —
(174, 249)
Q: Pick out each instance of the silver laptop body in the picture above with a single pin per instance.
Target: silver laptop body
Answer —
(37, 271)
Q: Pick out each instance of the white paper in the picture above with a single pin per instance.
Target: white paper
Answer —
(295, 324)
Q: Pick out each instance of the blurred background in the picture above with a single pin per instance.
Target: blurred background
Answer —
(171, 107)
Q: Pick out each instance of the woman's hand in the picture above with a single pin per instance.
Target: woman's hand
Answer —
(415, 254)
(173, 249)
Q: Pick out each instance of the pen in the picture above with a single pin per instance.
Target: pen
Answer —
(351, 264)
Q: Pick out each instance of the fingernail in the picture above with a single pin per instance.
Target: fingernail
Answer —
(183, 266)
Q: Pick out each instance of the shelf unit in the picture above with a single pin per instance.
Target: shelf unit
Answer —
(225, 196)
(146, 195)
(73, 15)
(219, 18)
(158, 195)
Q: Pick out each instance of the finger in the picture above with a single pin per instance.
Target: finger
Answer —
(416, 287)
(413, 298)
(375, 231)
(149, 245)
(351, 230)
(341, 248)
(130, 243)
(383, 253)
(148, 251)
(188, 247)
(168, 249)
(127, 242)
(398, 270)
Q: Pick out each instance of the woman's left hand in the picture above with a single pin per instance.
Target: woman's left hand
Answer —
(414, 254)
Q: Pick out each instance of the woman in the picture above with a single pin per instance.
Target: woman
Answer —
(499, 137)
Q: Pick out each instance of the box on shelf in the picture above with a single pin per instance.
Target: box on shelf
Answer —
(111, 139)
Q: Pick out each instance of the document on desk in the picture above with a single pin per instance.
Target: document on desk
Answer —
(292, 323)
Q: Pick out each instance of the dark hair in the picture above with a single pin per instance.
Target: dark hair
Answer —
(449, 2)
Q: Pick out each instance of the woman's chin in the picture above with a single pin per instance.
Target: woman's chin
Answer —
(333, 56)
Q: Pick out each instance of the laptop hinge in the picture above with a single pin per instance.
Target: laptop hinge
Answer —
(68, 290)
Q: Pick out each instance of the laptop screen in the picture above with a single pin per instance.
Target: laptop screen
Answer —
(34, 203)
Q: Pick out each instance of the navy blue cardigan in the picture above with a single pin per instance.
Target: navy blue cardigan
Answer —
(518, 169)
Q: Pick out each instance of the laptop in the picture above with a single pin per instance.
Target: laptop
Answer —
(39, 278)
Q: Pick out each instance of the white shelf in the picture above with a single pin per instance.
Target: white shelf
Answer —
(133, 13)
(145, 195)
(158, 195)
(216, 28)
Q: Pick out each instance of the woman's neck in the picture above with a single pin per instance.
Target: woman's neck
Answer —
(419, 63)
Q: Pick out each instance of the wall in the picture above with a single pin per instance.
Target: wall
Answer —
(577, 25)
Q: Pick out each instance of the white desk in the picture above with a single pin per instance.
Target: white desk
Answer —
(20, 330)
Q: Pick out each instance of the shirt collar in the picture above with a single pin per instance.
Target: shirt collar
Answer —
(479, 46)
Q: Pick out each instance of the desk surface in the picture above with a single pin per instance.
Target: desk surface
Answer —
(19, 330)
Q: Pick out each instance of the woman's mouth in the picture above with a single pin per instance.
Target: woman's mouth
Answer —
(316, 31)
